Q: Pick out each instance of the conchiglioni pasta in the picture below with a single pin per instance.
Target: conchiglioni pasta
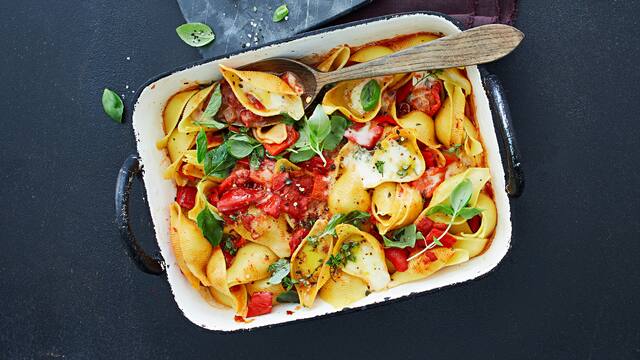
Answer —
(277, 206)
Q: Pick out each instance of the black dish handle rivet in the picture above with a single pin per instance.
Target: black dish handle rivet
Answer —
(148, 264)
(503, 122)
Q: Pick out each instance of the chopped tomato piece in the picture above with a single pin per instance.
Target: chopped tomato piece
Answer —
(296, 238)
(260, 303)
(430, 157)
(427, 99)
(474, 223)
(320, 186)
(447, 240)
(385, 119)
(264, 173)
(214, 139)
(431, 255)
(450, 157)
(271, 205)
(403, 92)
(292, 137)
(366, 135)
(292, 80)
(440, 226)
(429, 181)
(398, 258)
(403, 109)
(186, 196)
(214, 196)
(237, 177)
(237, 199)
(424, 225)
(315, 165)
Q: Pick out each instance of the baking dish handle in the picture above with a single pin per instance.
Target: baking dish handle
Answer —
(146, 263)
(502, 120)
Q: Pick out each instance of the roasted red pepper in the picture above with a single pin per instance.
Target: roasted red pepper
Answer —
(237, 199)
(474, 223)
(296, 238)
(292, 137)
(260, 303)
(186, 196)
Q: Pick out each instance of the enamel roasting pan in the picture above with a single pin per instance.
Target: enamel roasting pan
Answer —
(491, 108)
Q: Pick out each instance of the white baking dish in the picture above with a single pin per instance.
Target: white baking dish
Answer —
(147, 124)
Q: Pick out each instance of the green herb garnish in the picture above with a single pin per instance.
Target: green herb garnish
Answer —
(201, 145)
(403, 237)
(289, 296)
(458, 200)
(112, 105)
(355, 217)
(195, 34)
(380, 166)
(340, 259)
(218, 162)
(281, 12)
(207, 119)
(370, 95)
(211, 226)
(278, 270)
(317, 134)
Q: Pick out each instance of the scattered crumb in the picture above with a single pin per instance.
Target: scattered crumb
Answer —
(255, 9)
(128, 58)
(126, 86)
(286, 18)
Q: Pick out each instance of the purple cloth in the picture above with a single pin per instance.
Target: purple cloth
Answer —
(470, 12)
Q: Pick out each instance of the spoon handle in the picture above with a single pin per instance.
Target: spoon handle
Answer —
(475, 46)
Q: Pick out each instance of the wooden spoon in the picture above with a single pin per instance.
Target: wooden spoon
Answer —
(479, 45)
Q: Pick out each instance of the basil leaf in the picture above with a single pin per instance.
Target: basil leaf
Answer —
(112, 105)
(444, 209)
(303, 140)
(356, 217)
(290, 296)
(210, 123)
(286, 119)
(281, 12)
(338, 126)
(218, 161)
(353, 217)
(467, 213)
(201, 145)
(240, 149)
(403, 237)
(370, 95)
(256, 158)
(210, 225)
(278, 270)
(301, 155)
(461, 195)
(288, 283)
(380, 166)
(195, 34)
(319, 125)
(214, 103)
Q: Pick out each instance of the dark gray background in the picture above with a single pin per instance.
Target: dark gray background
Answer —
(567, 289)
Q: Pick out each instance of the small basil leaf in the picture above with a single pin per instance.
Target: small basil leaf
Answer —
(278, 270)
(444, 209)
(201, 145)
(461, 195)
(112, 105)
(338, 126)
(370, 95)
(319, 125)
(195, 34)
(286, 119)
(218, 161)
(210, 225)
(403, 237)
(468, 213)
(281, 12)
(290, 296)
(240, 149)
(210, 123)
(301, 155)
(214, 103)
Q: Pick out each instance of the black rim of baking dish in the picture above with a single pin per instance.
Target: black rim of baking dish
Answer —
(502, 122)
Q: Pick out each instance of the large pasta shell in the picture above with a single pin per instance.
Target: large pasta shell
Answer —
(193, 110)
(308, 264)
(395, 205)
(369, 260)
(174, 217)
(266, 231)
(250, 264)
(450, 119)
(411, 40)
(369, 53)
(345, 97)
(343, 289)
(274, 94)
(171, 114)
